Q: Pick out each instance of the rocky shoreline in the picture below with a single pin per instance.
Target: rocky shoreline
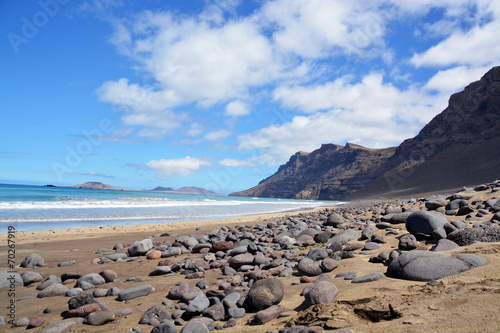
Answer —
(363, 266)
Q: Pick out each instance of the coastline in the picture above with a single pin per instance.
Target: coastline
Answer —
(445, 307)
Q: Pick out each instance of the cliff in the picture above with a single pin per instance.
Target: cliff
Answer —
(458, 147)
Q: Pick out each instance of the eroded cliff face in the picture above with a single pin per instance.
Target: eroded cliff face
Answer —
(331, 172)
(460, 146)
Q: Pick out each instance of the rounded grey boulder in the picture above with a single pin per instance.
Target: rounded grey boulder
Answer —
(423, 222)
(32, 260)
(426, 266)
(265, 293)
(321, 292)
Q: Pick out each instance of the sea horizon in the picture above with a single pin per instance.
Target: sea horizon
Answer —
(40, 207)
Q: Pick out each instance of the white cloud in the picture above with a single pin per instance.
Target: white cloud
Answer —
(236, 109)
(369, 113)
(180, 166)
(451, 80)
(477, 46)
(217, 135)
(315, 28)
(231, 162)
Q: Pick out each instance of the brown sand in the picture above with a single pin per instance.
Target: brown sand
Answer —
(467, 302)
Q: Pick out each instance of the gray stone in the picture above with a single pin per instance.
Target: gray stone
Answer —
(334, 220)
(178, 290)
(92, 278)
(166, 326)
(236, 312)
(154, 315)
(266, 315)
(368, 278)
(67, 263)
(424, 222)
(32, 260)
(135, 292)
(471, 235)
(122, 312)
(323, 237)
(55, 289)
(216, 311)
(426, 266)
(198, 304)
(445, 245)
(399, 218)
(21, 321)
(190, 294)
(265, 293)
(140, 248)
(31, 277)
(116, 256)
(61, 326)
(99, 318)
(317, 254)
(371, 246)
(84, 285)
(322, 292)
(344, 237)
(407, 242)
(8, 279)
(100, 292)
(81, 300)
(328, 264)
(309, 268)
(368, 232)
(161, 270)
(240, 260)
(195, 325)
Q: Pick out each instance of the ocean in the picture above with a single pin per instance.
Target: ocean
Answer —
(30, 208)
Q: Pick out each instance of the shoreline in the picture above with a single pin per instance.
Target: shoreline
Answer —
(419, 306)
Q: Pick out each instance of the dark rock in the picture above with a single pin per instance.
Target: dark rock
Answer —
(55, 289)
(368, 278)
(399, 218)
(345, 236)
(140, 248)
(196, 325)
(166, 326)
(425, 266)
(445, 245)
(154, 316)
(31, 277)
(371, 246)
(32, 260)
(80, 300)
(266, 315)
(469, 236)
(99, 318)
(322, 292)
(135, 292)
(407, 242)
(178, 290)
(108, 275)
(424, 222)
(328, 264)
(92, 278)
(216, 311)
(198, 304)
(309, 268)
(160, 270)
(67, 263)
(230, 323)
(323, 237)
(265, 293)
(334, 220)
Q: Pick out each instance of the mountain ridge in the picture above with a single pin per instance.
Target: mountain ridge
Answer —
(457, 147)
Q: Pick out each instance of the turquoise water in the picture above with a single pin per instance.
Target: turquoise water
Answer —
(29, 208)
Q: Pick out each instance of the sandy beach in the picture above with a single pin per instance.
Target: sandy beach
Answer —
(466, 302)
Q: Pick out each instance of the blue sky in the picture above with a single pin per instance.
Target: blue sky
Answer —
(218, 94)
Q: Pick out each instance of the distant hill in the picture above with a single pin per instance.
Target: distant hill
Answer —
(99, 186)
(163, 189)
(458, 147)
(185, 190)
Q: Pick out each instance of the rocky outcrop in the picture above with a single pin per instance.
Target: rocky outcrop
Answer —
(458, 147)
(332, 172)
